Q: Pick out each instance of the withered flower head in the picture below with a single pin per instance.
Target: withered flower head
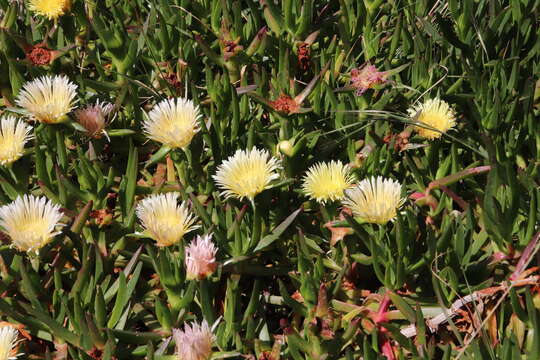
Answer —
(285, 104)
(303, 56)
(94, 118)
(39, 55)
(366, 78)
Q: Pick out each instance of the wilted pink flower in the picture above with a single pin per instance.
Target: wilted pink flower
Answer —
(366, 78)
(93, 118)
(201, 258)
(195, 342)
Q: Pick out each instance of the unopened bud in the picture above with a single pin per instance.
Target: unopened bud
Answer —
(285, 147)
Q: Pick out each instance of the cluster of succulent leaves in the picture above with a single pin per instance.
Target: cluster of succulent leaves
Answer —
(283, 289)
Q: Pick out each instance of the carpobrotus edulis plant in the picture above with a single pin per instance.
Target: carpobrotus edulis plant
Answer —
(200, 257)
(48, 99)
(436, 114)
(51, 9)
(164, 220)
(375, 200)
(326, 181)
(246, 173)
(173, 122)
(194, 342)
(30, 222)
(14, 134)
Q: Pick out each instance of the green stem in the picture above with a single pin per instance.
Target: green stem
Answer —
(257, 225)
(206, 301)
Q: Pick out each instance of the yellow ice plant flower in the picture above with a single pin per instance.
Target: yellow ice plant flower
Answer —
(173, 122)
(327, 181)
(436, 114)
(48, 99)
(246, 173)
(30, 222)
(164, 220)
(51, 9)
(375, 200)
(194, 342)
(8, 342)
(14, 134)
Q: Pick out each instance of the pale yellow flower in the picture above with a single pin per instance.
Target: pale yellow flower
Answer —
(51, 9)
(327, 181)
(375, 200)
(246, 173)
(200, 258)
(194, 342)
(8, 342)
(94, 118)
(14, 134)
(30, 222)
(48, 99)
(173, 122)
(164, 220)
(436, 114)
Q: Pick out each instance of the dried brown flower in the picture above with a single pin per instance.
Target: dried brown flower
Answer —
(304, 53)
(285, 104)
(365, 78)
(39, 55)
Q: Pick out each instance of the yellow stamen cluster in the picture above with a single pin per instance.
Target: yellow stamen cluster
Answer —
(51, 9)
(14, 134)
(48, 99)
(436, 115)
(173, 122)
(164, 220)
(327, 181)
(30, 222)
(375, 200)
(8, 342)
(246, 173)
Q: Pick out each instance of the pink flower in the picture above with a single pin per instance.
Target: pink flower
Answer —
(201, 258)
(93, 118)
(195, 342)
(366, 78)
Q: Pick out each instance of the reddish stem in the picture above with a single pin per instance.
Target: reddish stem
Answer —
(525, 257)
(450, 179)
(462, 203)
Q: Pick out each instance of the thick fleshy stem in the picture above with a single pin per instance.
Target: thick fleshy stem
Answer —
(206, 301)
(426, 198)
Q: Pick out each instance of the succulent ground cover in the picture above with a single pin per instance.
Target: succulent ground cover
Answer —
(295, 179)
